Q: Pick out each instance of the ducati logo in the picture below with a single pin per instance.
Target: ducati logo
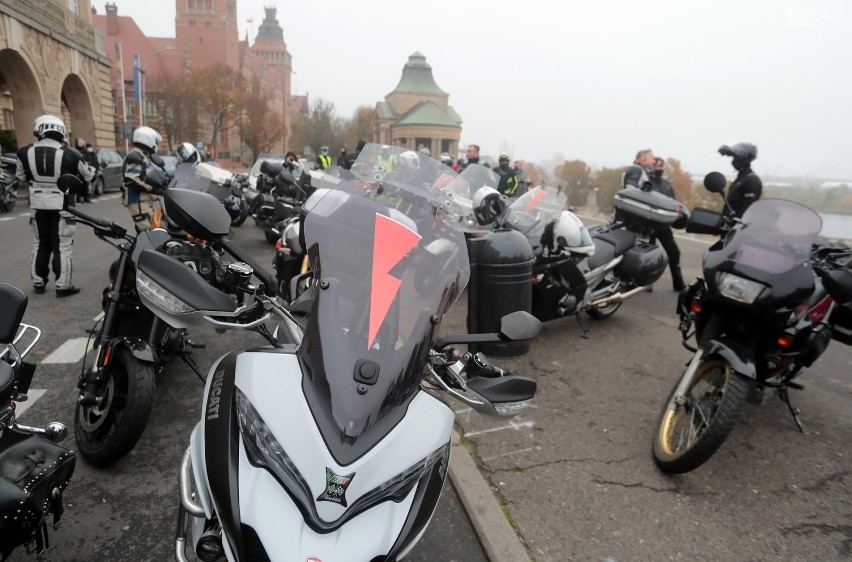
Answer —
(335, 487)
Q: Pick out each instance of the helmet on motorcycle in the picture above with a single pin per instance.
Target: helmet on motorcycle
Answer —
(49, 126)
(425, 151)
(446, 158)
(569, 233)
(742, 150)
(187, 153)
(409, 160)
(147, 138)
(488, 204)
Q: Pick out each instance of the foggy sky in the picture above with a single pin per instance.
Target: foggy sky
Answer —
(592, 81)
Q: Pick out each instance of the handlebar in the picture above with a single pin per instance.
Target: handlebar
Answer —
(103, 226)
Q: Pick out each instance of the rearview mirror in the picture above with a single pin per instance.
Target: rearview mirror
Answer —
(70, 184)
(715, 182)
(199, 214)
(516, 328)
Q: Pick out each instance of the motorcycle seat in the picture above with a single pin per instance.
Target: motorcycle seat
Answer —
(620, 240)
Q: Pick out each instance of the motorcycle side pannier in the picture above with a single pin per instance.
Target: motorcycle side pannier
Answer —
(645, 209)
(643, 264)
(841, 323)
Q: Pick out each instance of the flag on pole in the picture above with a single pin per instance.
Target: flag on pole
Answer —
(118, 63)
(137, 97)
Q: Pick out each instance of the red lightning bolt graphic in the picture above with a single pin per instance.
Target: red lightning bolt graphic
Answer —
(390, 244)
(533, 200)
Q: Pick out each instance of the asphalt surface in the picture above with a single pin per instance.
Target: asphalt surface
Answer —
(574, 474)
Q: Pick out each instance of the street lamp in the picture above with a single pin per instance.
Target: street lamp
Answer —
(143, 79)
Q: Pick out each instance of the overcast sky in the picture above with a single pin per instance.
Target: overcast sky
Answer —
(595, 81)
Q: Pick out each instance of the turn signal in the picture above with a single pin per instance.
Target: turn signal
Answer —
(695, 306)
(785, 341)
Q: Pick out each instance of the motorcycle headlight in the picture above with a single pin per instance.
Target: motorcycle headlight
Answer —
(739, 289)
(264, 450)
(159, 296)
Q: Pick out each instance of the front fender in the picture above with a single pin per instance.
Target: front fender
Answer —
(139, 348)
(739, 356)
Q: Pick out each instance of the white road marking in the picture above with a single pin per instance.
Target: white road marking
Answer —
(24, 215)
(4, 219)
(69, 352)
(510, 425)
(33, 395)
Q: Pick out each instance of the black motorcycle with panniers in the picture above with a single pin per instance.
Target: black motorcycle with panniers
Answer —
(769, 302)
(131, 345)
(279, 197)
(34, 468)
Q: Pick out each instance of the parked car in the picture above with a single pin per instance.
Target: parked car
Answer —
(111, 176)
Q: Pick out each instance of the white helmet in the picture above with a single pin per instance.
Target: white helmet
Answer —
(569, 233)
(148, 138)
(49, 125)
(488, 204)
(446, 158)
(187, 153)
(409, 160)
(426, 151)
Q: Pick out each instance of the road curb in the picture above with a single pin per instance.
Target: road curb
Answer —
(496, 535)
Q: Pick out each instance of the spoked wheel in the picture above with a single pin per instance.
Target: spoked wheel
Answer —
(692, 428)
(108, 430)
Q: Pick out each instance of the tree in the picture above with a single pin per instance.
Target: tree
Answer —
(682, 183)
(320, 127)
(607, 181)
(177, 109)
(260, 126)
(576, 177)
(360, 127)
(216, 90)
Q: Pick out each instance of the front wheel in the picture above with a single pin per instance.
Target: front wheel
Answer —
(108, 430)
(244, 213)
(691, 428)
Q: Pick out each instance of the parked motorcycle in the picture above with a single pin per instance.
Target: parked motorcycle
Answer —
(8, 184)
(355, 365)
(769, 303)
(279, 197)
(131, 344)
(579, 269)
(34, 470)
(229, 188)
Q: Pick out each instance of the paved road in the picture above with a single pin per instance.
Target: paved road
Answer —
(127, 511)
(576, 473)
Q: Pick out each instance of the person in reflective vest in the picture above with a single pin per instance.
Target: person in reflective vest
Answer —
(509, 182)
(324, 159)
(40, 164)
(385, 158)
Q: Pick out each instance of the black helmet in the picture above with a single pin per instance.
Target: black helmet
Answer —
(742, 150)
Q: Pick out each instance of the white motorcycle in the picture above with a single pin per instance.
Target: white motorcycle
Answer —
(332, 442)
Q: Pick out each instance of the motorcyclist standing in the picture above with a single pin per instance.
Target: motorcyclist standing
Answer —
(323, 160)
(509, 181)
(40, 164)
(639, 174)
(665, 235)
(747, 187)
(139, 196)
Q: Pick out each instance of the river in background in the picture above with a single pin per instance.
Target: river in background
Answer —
(836, 226)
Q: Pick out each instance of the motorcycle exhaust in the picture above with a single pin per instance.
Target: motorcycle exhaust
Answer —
(619, 296)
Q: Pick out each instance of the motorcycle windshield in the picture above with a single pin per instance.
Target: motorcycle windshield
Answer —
(530, 212)
(775, 237)
(389, 260)
(465, 184)
(201, 177)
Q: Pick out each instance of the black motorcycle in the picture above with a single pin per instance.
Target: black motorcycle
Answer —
(769, 303)
(131, 344)
(230, 189)
(578, 269)
(279, 197)
(34, 470)
(8, 184)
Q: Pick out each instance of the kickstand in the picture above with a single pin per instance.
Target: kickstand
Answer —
(585, 334)
(785, 397)
(190, 360)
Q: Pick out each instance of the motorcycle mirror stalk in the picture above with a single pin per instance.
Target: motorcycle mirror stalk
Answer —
(516, 328)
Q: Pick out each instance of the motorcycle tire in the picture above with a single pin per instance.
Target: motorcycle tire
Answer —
(244, 213)
(11, 200)
(104, 434)
(100, 187)
(603, 311)
(680, 444)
